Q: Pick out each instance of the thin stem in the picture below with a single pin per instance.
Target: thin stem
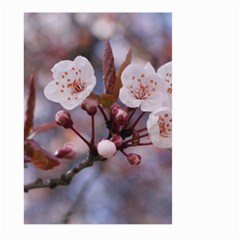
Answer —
(141, 136)
(93, 131)
(139, 144)
(142, 129)
(133, 111)
(137, 120)
(103, 113)
(84, 139)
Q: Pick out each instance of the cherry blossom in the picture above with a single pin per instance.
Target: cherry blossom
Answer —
(159, 126)
(73, 82)
(143, 87)
(106, 148)
(165, 72)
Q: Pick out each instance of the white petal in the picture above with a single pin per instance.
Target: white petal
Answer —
(153, 130)
(132, 73)
(151, 79)
(128, 99)
(87, 72)
(61, 67)
(161, 110)
(71, 104)
(165, 71)
(149, 68)
(154, 102)
(51, 92)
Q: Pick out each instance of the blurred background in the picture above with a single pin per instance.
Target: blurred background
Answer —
(112, 192)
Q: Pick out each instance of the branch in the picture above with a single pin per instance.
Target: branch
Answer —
(66, 178)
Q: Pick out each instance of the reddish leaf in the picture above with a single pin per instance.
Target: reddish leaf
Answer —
(106, 100)
(40, 157)
(118, 83)
(109, 74)
(30, 107)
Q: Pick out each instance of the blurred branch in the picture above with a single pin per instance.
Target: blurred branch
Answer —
(66, 178)
(73, 208)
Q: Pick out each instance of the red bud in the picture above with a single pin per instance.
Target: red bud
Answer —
(134, 159)
(63, 118)
(117, 140)
(69, 150)
(90, 105)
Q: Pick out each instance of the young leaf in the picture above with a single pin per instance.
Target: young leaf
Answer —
(109, 74)
(40, 157)
(106, 100)
(30, 106)
(118, 83)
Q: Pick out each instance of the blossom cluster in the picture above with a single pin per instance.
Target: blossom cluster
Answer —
(143, 88)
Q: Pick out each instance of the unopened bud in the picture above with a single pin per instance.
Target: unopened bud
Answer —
(134, 159)
(114, 108)
(106, 148)
(117, 140)
(90, 105)
(121, 117)
(69, 150)
(63, 118)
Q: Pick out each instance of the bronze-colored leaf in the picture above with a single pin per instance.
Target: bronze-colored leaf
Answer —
(118, 83)
(39, 156)
(109, 74)
(29, 115)
(106, 100)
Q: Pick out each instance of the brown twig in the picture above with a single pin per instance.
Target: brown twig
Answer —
(66, 178)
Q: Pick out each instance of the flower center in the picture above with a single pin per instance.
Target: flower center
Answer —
(141, 92)
(144, 90)
(165, 128)
(77, 86)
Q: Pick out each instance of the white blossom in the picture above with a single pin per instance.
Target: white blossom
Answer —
(143, 87)
(159, 126)
(73, 82)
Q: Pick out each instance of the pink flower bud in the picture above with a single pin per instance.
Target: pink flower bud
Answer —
(69, 150)
(117, 140)
(114, 107)
(63, 119)
(134, 159)
(106, 148)
(90, 105)
(121, 117)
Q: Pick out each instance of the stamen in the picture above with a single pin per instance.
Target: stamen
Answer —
(77, 86)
